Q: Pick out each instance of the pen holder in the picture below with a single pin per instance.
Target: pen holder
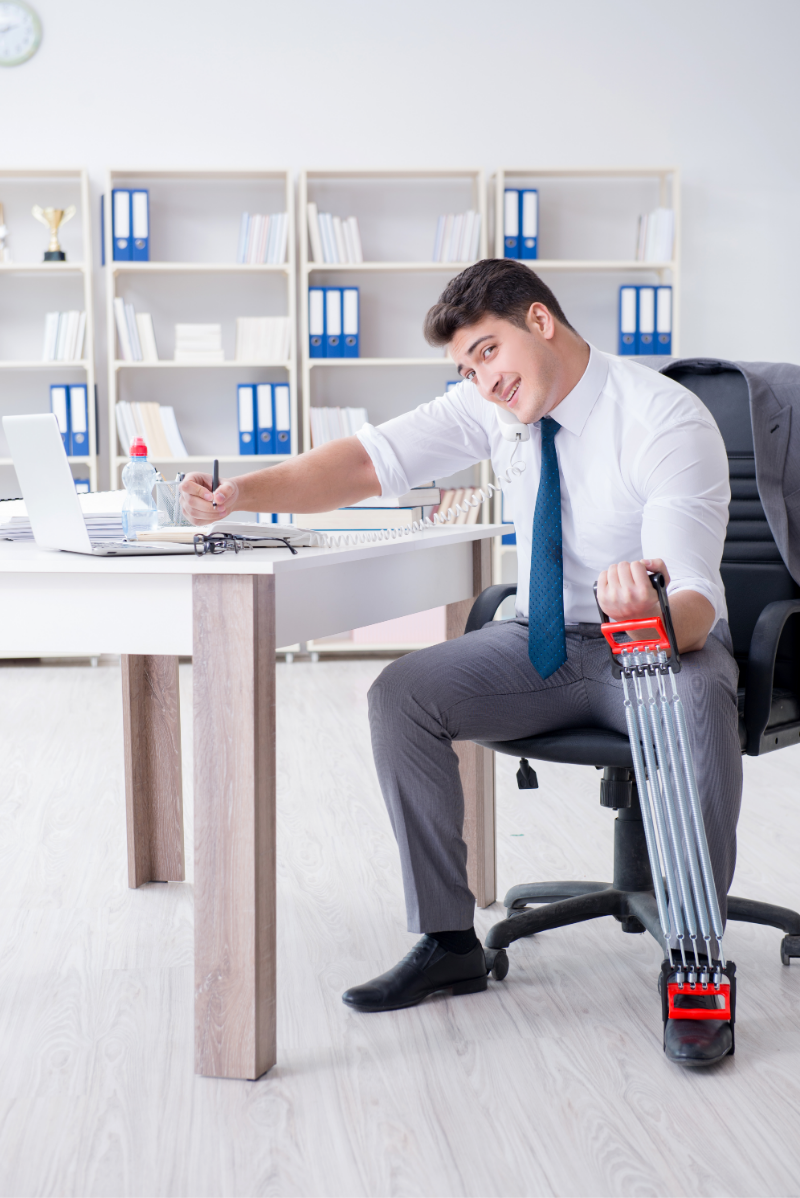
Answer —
(168, 503)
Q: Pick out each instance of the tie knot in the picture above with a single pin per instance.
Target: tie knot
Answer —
(549, 427)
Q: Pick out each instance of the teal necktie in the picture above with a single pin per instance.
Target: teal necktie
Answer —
(547, 645)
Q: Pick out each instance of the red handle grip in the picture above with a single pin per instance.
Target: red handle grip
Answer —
(622, 638)
(720, 1012)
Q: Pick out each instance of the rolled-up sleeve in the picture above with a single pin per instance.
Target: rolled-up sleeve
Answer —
(682, 474)
(431, 441)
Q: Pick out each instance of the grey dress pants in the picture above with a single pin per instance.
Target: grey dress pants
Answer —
(483, 686)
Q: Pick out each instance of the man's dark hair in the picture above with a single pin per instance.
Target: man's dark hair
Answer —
(493, 287)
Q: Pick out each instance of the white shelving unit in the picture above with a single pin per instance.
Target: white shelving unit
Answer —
(397, 212)
(29, 288)
(193, 277)
(587, 241)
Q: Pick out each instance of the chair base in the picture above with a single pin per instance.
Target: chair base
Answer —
(564, 903)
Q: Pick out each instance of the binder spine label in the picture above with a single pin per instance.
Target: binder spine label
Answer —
(529, 223)
(350, 321)
(628, 306)
(266, 418)
(316, 322)
(246, 400)
(121, 225)
(511, 223)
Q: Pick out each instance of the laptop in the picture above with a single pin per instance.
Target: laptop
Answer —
(49, 492)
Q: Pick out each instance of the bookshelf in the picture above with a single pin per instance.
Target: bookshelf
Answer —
(193, 277)
(397, 212)
(587, 242)
(29, 288)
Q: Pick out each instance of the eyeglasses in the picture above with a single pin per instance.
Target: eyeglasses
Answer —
(218, 542)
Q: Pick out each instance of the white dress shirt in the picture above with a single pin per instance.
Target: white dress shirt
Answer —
(642, 465)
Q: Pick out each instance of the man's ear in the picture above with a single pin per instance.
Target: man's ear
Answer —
(540, 319)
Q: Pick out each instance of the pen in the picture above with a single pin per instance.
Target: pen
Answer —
(214, 482)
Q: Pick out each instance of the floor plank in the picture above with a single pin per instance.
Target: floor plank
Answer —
(551, 1083)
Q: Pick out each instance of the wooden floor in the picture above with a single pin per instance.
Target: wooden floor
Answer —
(553, 1082)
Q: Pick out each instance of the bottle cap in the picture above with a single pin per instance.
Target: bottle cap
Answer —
(138, 448)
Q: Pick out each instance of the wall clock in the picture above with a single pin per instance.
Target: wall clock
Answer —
(20, 32)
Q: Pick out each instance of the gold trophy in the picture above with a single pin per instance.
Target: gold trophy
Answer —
(53, 218)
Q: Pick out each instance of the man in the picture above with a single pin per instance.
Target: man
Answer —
(625, 472)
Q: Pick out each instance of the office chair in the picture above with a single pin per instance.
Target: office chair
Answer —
(762, 598)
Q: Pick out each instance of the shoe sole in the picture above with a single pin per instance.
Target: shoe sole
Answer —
(689, 1064)
(470, 986)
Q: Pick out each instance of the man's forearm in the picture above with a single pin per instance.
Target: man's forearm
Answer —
(692, 619)
(332, 476)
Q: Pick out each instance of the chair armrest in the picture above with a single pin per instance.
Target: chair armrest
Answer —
(487, 603)
(761, 669)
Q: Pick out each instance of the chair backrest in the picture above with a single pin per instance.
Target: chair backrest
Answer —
(752, 568)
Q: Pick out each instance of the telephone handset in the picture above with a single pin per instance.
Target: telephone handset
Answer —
(511, 428)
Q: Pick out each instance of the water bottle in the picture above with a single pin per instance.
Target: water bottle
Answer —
(139, 511)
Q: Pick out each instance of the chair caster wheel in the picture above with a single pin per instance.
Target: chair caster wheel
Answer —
(496, 962)
(790, 947)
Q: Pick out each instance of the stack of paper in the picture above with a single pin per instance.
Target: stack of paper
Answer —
(333, 239)
(155, 424)
(64, 334)
(263, 338)
(656, 235)
(135, 333)
(329, 424)
(263, 238)
(458, 238)
(199, 343)
(106, 526)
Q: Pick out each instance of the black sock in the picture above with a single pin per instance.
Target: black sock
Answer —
(456, 942)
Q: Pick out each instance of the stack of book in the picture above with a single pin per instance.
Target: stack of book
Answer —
(263, 338)
(156, 424)
(333, 239)
(329, 424)
(63, 336)
(200, 344)
(263, 239)
(137, 338)
(656, 236)
(462, 496)
(457, 237)
(373, 513)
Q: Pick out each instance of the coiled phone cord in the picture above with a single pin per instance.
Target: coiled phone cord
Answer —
(373, 536)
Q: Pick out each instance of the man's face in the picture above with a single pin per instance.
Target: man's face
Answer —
(512, 367)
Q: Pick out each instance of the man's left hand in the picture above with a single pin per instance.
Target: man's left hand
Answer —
(625, 592)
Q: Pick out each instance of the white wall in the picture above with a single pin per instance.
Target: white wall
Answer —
(711, 85)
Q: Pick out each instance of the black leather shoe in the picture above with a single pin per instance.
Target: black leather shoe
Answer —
(695, 1042)
(423, 971)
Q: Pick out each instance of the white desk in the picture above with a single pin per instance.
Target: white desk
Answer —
(230, 612)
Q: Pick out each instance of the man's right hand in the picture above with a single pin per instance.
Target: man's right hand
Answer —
(196, 498)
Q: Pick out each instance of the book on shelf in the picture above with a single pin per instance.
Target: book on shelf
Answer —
(334, 322)
(64, 334)
(462, 496)
(130, 224)
(263, 338)
(458, 237)
(199, 344)
(69, 405)
(333, 239)
(359, 518)
(265, 418)
(655, 237)
(645, 320)
(263, 239)
(154, 422)
(135, 333)
(521, 222)
(329, 424)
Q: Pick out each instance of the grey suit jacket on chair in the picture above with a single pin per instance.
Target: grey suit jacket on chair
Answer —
(775, 412)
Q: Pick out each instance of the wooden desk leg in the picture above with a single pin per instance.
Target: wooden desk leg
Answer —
(476, 764)
(234, 803)
(153, 786)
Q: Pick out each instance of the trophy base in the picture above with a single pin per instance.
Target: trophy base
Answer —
(55, 256)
